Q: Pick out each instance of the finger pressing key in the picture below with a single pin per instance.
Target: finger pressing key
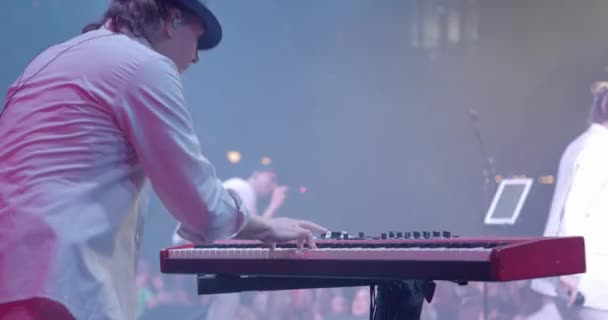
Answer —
(311, 240)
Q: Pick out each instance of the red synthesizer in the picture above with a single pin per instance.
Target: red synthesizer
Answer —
(396, 255)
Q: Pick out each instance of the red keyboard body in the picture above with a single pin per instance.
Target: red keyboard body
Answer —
(453, 259)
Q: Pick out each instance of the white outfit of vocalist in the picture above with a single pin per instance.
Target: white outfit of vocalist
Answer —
(580, 208)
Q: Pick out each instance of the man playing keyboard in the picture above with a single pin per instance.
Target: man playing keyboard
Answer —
(88, 124)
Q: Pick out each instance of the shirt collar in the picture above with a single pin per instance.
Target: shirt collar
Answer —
(599, 129)
(107, 26)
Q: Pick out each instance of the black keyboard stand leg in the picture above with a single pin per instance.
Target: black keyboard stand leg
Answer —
(400, 300)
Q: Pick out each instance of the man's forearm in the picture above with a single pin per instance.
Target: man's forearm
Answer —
(256, 228)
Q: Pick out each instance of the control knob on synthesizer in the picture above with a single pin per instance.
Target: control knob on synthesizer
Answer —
(335, 235)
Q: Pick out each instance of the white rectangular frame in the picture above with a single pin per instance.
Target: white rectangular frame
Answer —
(490, 220)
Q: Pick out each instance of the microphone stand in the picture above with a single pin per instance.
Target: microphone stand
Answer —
(489, 184)
(489, 170)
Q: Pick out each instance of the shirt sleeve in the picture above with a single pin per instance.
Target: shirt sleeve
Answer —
(176, 239)
(245, 192)
(158, 125)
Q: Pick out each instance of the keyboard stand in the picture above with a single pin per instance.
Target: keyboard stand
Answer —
(400, 300)
(215, 284)
(390, 299)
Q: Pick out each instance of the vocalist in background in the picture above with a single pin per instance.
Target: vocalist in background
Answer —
(580, 208)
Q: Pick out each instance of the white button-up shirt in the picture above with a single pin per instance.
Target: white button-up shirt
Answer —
(88, 124)
(245, 191)
(580, 208)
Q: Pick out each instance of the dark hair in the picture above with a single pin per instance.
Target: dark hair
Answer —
(599, 108)
(138, 17)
